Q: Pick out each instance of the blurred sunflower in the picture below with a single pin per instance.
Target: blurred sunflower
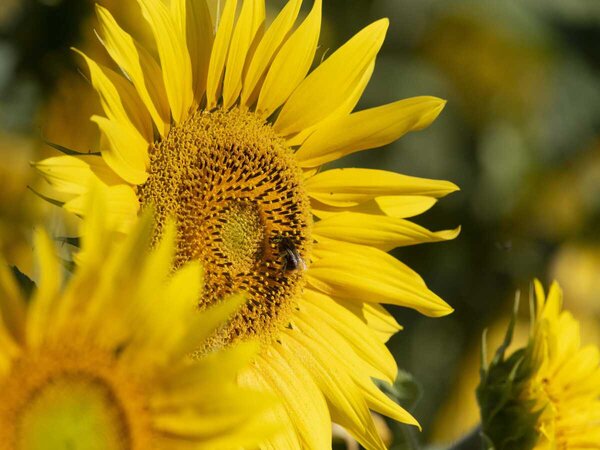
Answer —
(546, 395)
(575, 266)
(75, 373)
(19, 210)
(565, 384)
(226, 132)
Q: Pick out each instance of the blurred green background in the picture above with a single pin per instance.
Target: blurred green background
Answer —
(520, 135)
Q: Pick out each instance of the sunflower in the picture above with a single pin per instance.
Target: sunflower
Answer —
(565, 384)
(545, 396)
(226, 131)
(75, 373)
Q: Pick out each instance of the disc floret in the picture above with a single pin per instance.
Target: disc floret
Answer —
(236, 192)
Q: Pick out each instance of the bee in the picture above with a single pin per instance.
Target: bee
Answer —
(292, 259)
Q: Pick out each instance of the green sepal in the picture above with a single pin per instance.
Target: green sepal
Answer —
(508, 421)
(46, 198)
(405, 391)
(26, 284)
(69, 151)
(74, 241)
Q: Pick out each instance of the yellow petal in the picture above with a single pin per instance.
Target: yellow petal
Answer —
(367, 129)
(301, 397)
(580, 364)
(199, 39)
(291, 64)
(219, 420)
(399, 206)
(73, 175)
(9, 351)
(267, 48)
(95, 232)
(287, 439)
(167, 327)
(179, 389)
(365, 274)
(554, 301)
(319, 330)
(110, 98)
(48, 289)
(124, 151)
(330, 84)
(379, 320)
(12, 304)
(252, 17)
(121, 269)
(354, 332)
(403, 206)
(382, 232)
(174, 57)
(381, 403)
(350, 187)
(211, 406)
(138, 65)
(178, 11)
(342, 111)
(208, 322)
(122, 207)
(218, 55)
(346, 402)
(540, 296)
(136, 110)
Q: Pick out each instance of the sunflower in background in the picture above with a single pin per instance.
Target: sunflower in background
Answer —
(19, 210)
(546, 395)
(75, 373)
(565, 385)
(226, 132)
(576, 266)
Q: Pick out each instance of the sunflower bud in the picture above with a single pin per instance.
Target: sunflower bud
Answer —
(547, 394)
(507, 421)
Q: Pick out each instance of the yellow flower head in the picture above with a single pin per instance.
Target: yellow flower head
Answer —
(545, 396)
(565, 384)
(226, 130)
(98, 361)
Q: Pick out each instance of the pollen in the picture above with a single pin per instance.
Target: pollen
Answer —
(236, 192)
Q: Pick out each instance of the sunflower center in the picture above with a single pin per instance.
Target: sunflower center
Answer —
(236, 192)
(73, 412)
(64, 400)
(242, 236)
